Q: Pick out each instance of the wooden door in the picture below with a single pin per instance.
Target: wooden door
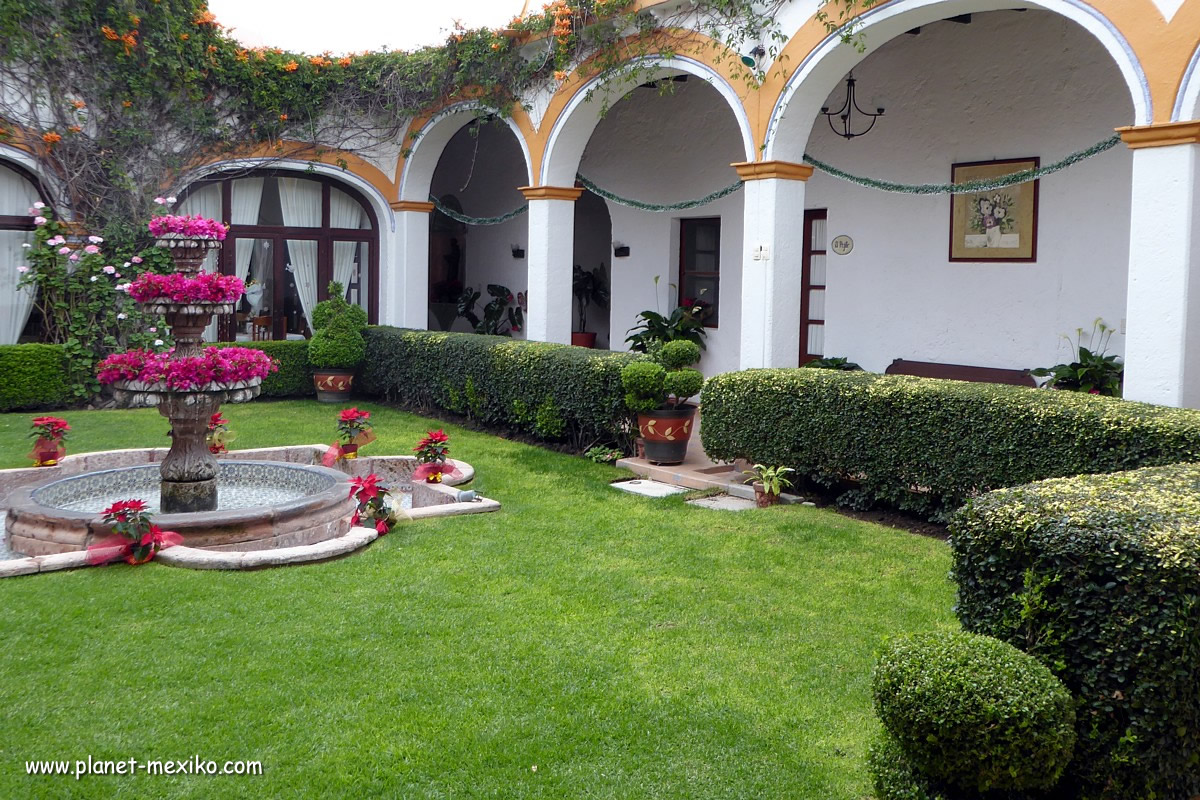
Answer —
(812, 295)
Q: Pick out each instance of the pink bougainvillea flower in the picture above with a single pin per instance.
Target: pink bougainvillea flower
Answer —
(207, 287)
(217, 366)
(194, 226)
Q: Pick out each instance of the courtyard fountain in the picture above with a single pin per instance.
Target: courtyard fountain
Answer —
(268, 501)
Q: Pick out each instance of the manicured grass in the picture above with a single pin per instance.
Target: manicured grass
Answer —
(626, 647)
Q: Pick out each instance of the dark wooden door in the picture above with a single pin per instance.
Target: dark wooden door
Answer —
(812, 294)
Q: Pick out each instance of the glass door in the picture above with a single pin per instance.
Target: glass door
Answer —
(812, 297)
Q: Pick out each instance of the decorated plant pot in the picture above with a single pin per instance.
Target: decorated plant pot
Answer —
(764, 499)
(585, 339)
(47, 452)
(666, 432)
(333, 385)
(350, 450)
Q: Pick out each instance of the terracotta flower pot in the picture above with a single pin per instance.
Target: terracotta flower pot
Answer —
(667, 432)
(762, 498)
(584, 339)
(333, 385)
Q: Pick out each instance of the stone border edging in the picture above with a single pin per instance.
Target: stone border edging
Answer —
(195, 558)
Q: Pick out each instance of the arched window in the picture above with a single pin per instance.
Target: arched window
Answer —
(18, 192)
(290, 234)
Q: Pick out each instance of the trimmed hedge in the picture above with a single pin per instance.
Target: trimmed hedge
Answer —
(896, 777)
(552, 392)
(926, 445)
(974, 712)
(294, 377)
(34, 377)
(1098, 577)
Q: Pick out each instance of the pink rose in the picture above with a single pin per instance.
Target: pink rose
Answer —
(91, 249)
(39, 220)
(64, 251)
(136, 259)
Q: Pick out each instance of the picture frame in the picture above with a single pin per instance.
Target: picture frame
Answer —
(996, 225)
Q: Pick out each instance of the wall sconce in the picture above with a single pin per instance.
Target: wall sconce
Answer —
(620, 250)
(518, 251)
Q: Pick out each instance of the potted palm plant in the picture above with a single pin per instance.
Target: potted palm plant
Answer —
(769, 483)
(657, 390)
(337, 347)
(588, 286)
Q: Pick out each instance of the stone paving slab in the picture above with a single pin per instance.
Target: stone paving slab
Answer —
(723, 502)
(647, 488)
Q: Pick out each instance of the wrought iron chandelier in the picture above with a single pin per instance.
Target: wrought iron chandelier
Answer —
(847, 111)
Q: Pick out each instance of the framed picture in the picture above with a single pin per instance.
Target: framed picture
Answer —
(996, 225)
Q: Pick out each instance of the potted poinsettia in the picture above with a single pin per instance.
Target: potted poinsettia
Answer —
(135, 538)
(433, 452)
(657, 391)
(49, 435)
(373, 506)
(354, 430)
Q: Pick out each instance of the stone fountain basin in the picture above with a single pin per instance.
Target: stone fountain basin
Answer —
(264, 505)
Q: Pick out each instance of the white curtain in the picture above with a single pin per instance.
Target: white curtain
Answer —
(303, 258)
(300, 201)
(247, 197)
(206, 201)
(345, 212)
(15, 304)
(17, 195)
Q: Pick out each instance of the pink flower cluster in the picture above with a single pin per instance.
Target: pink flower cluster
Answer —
(195, 227)
(207, 287)
(220, 365)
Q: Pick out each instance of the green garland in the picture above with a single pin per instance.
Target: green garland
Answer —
(640, 206)
(982, 185)
(463, 218)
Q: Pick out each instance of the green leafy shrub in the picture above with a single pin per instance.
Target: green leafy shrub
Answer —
(679, 354)
(338, 345)
(34, 377)
(665, 380)
(653, 330)
(294, 377)
(510, 381)
(833, 362)
(1098, 577)
(926, 445)
(644, 386)
(896, 777)
(975, 712)
(336, 306)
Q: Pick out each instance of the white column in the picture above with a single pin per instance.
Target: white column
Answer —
(772, 262)
(405, 293)
(551, 258)
(1162, 342)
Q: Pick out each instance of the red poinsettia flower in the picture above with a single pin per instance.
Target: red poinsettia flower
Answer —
(354, 520)
(381, 526)
(123, 509)
(366, 488)
(50, 428)
(353, 415)
(216, 420)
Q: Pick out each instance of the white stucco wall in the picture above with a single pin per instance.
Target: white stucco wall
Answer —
(483, 172)
(666, 149)
(1008, 85)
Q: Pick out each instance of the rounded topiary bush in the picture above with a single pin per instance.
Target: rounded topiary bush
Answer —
(339, 345)
(643, 382)
(975, 712)
(679, 354)
(683, 383)
(336, 307)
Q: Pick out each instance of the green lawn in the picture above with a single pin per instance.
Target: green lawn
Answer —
(626, 647)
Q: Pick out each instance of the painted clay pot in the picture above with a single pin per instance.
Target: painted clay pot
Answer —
(666, 432)
(333, 385)
(585, 339)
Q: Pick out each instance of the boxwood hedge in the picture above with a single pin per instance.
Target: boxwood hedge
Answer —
(927, 445)
(1098, 577)
(294, 377)
(34, 377)
(556, 393)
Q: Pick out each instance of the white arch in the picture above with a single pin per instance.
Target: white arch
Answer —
(821, 70)
(1187, 102)
(35, 167)
(431, 141)
(573, 128)
(379, 203)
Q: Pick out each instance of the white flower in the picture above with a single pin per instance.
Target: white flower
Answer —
(162, 201)
(122, 315)
(94, 278)
(154, 330)
(95, 240)
(26, 244)
(39, 204)
(171, 200)
(22, 270)
(110, 270)
(158, 342)
(126, 265)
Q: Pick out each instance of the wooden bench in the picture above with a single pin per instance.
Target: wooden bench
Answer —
(960, 372)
